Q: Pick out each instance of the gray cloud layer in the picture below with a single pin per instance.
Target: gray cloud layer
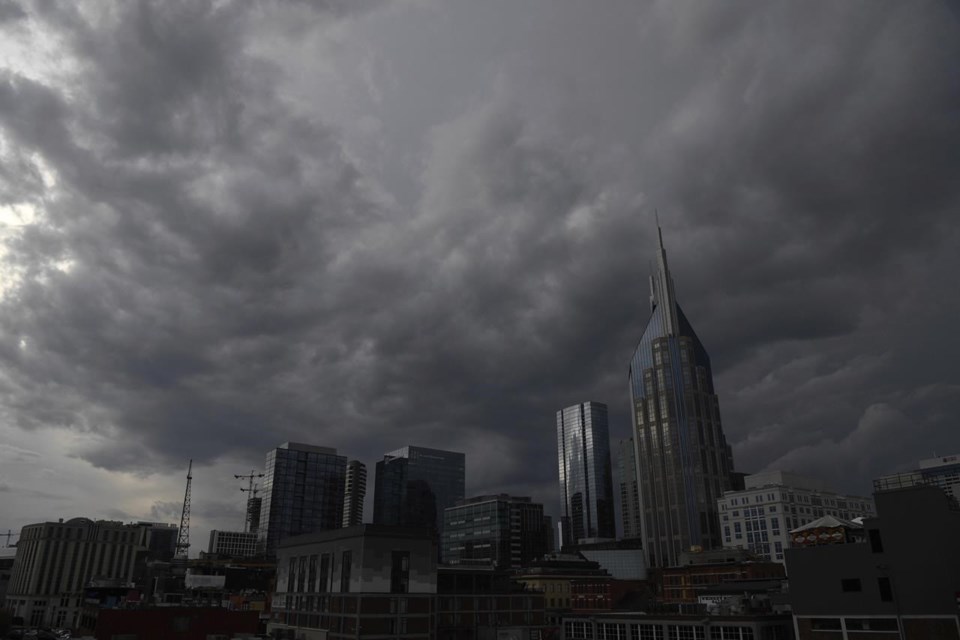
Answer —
(440, 234)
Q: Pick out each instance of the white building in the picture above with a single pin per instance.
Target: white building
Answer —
(760, 517)
(234, 544)
(943, 472)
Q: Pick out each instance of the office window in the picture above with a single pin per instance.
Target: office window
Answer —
(850, 584)
(323, 583)
(876, 544)
(345, 566)
(400, 572)
(886, 592)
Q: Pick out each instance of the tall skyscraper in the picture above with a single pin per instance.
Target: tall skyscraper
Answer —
(414, 485)
(354, 493)
(302, 492)
(586, 481)
(629, 489)
(683, 461)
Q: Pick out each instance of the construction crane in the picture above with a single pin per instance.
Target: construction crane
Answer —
(183, 537)
(251, 489)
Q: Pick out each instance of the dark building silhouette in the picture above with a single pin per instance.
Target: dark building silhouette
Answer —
(414, 485)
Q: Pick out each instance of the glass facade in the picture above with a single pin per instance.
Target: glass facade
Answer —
(586, 483)
(501, 531)
(414, 485)
(683, 461)
(303, 490)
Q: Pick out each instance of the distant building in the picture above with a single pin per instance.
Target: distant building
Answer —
(622, 559)
(364, 581)
(629, 489)
(302, 492)
(901, 581)
(683, 460)
(586, 480)
(354, 492)
(760, 517)
(415, 484)
(477, 603)
(684, 582)
(233, 544)
(6, 571)
(943, 472)
(500, 531)
(554, 577)
(57, 561)
(254, 504)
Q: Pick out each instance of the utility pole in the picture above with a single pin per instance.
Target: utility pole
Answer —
(252, 490)
(183, 537)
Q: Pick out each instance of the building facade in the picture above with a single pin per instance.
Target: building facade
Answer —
(943, 472)
(760, 517)
(501, 531)
(899, 581)
(629, 489)
(586, 480)
(682, 458)
(56, 561)
(414, 485)
(233, 544)
(364, 581)
(302, 492)
(354, 492)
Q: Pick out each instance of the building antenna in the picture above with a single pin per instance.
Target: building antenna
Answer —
(183, 537)
(251, 489)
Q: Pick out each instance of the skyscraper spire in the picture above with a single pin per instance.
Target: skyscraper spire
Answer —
(661, 288)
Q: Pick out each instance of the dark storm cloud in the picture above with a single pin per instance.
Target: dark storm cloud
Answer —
(214, 273)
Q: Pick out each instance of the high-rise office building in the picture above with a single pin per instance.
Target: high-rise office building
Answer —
(586, 479)
(355, 490)
(629, 489)
(683, 461)
(502, 531)
(302, 492)
(414, 485)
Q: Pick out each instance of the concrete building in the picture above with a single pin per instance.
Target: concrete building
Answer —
(683, 461)
(901, 582)
(233, 544)
(635, 625)
(415, 484)
(354, 492)
(943, 472)
(364, 581)
(760, 517)
(586, 478)
(629, 489)
(302, 492)
(57, 561)
(476, 603)
(501, 531)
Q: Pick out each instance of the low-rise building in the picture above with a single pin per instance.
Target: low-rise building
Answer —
(683, 583)
(899, 581)
(641, 626)
(368, 580)
(554, 576)
(760, 517)
(476, 603)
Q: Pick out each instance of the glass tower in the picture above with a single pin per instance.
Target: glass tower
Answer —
(302, 492)
(586, 483)
(414, 485)
(683, 461)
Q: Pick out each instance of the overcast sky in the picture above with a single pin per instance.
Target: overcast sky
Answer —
(226, 225)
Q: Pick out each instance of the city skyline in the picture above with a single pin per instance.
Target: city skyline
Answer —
(226, 225)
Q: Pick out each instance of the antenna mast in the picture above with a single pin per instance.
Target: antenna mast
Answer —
(252, 490)
(183, 537)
